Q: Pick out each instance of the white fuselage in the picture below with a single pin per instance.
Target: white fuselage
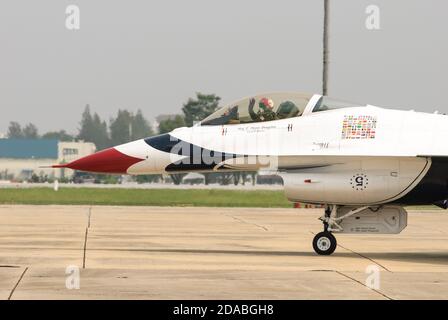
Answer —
(353, 155)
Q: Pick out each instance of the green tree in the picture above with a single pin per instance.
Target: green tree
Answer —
(86, 131)
(169, 125)
(140, 127)
(121, 127)
(200, 107)
(30, 131)
(101, 134)
(60, 135)
(14, 130)
(93, 129)
(127, 127)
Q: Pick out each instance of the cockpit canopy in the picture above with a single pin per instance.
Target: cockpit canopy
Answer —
(273, 106)
(267, 107)
(326, 103)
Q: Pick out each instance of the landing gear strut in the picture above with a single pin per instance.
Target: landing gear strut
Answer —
(324, 243)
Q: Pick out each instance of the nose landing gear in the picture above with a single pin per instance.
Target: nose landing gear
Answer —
(324, 243)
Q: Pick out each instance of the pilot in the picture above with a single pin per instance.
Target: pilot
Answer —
(265, 112)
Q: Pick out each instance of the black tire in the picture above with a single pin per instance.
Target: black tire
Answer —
(324, 243)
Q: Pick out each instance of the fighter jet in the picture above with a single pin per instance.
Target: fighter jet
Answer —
(361, 162)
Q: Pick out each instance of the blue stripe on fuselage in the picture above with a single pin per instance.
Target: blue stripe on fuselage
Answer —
(197, 158)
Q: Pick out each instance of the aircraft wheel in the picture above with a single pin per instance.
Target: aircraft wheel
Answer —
(324, 243)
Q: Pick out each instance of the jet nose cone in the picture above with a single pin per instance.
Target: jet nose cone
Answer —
(106, 161)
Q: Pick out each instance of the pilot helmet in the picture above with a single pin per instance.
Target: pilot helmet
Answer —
(266, 104)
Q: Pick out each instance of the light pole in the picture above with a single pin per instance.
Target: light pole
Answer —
(325, 48)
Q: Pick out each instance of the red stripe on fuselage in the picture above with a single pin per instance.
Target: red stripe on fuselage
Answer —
(106, 161)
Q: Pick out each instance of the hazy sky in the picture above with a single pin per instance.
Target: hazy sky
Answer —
(153, 55)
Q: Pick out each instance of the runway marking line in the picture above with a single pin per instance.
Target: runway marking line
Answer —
(363, 284)
(353, 279)
(361, 255)
(89, 215)
(85, 249)
(8, 266)
(17, 284)
(247, 222)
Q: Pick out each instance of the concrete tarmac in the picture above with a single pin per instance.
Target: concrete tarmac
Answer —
(212, 253)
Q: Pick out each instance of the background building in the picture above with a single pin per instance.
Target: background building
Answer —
(21, 158)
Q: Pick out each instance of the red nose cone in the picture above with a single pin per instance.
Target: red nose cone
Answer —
(106, 161)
